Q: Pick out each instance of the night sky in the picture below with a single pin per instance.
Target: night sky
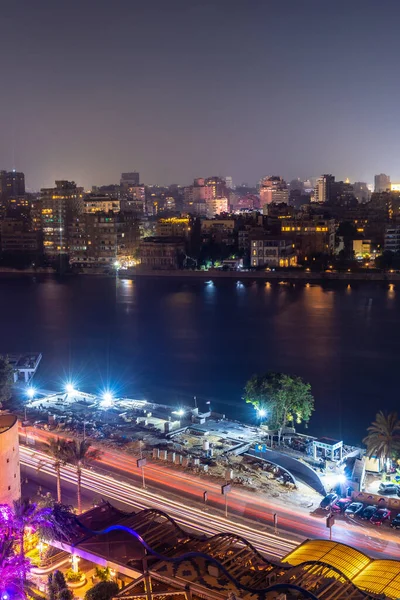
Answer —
(184, 88)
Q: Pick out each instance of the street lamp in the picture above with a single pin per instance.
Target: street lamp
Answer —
(31, 392)
(69, 388)
(262, 413)
(107, 399)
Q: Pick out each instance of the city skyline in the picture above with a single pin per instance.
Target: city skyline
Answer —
(245, 90)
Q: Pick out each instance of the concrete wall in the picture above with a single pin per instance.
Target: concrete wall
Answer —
(10, 480)
(300, 470)
(380, 501)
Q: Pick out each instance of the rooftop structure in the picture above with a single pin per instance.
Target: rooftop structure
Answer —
(24, 365)
(164, 560)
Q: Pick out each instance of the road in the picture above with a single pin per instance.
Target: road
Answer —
(117, 478)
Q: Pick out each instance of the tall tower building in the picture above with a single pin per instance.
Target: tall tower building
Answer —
(15, 184)
(12, 185)
(58, 206)
(382, 183)
(10, 480)
(323, 188)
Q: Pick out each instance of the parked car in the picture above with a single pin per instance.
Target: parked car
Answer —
(368, 512)
(354, 509)
(389, 488)
(396, 522)
(382, 514)
(328, 500)
(340, 505)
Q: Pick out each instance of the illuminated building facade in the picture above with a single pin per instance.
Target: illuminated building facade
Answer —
(323, 189)
(173, 227)
(58, 206)
(216, 206)
(10, 481)
(103, 240)
(94, 203)
(271, 251)
(273, 190)
(392, 238)
(310, 236)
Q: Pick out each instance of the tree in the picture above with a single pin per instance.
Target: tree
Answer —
(57, 449)
(57, 586)
(104, 590)
(81, 455)
(14, 524)
(6, 380)
(383, 439)
(280, 398)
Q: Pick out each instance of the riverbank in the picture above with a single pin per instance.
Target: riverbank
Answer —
(281, 275)
(291, 275)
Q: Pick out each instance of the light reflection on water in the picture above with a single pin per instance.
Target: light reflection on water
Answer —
(168, 340)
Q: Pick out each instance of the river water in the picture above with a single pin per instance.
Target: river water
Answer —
(168, 340)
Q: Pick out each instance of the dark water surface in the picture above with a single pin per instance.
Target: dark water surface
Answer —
(167, 340)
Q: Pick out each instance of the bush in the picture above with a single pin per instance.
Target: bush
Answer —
(104, 590)
(102, 574)
(72, 576)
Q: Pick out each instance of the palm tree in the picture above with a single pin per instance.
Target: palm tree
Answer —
(383, 439)
(48, 521)
(81, 454)
(57, 449)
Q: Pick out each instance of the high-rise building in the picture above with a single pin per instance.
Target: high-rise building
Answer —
(59, 205)
(218, 187)
(323, 188)
(15, 184)
(129, 179)
(100, 240)
(382, 183)
(12, 185)
(273, 190)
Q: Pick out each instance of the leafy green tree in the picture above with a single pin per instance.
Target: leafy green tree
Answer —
(383, 438)
(280, 398)
(104, 590)
(6, 380)
(81, 454)
(57, 587)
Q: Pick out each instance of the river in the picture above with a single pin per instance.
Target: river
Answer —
(168, 340)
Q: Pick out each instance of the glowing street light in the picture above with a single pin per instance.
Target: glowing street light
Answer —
(180, 412)
(262, 413)
(31, 392)
(69, 388)
(107, 399)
